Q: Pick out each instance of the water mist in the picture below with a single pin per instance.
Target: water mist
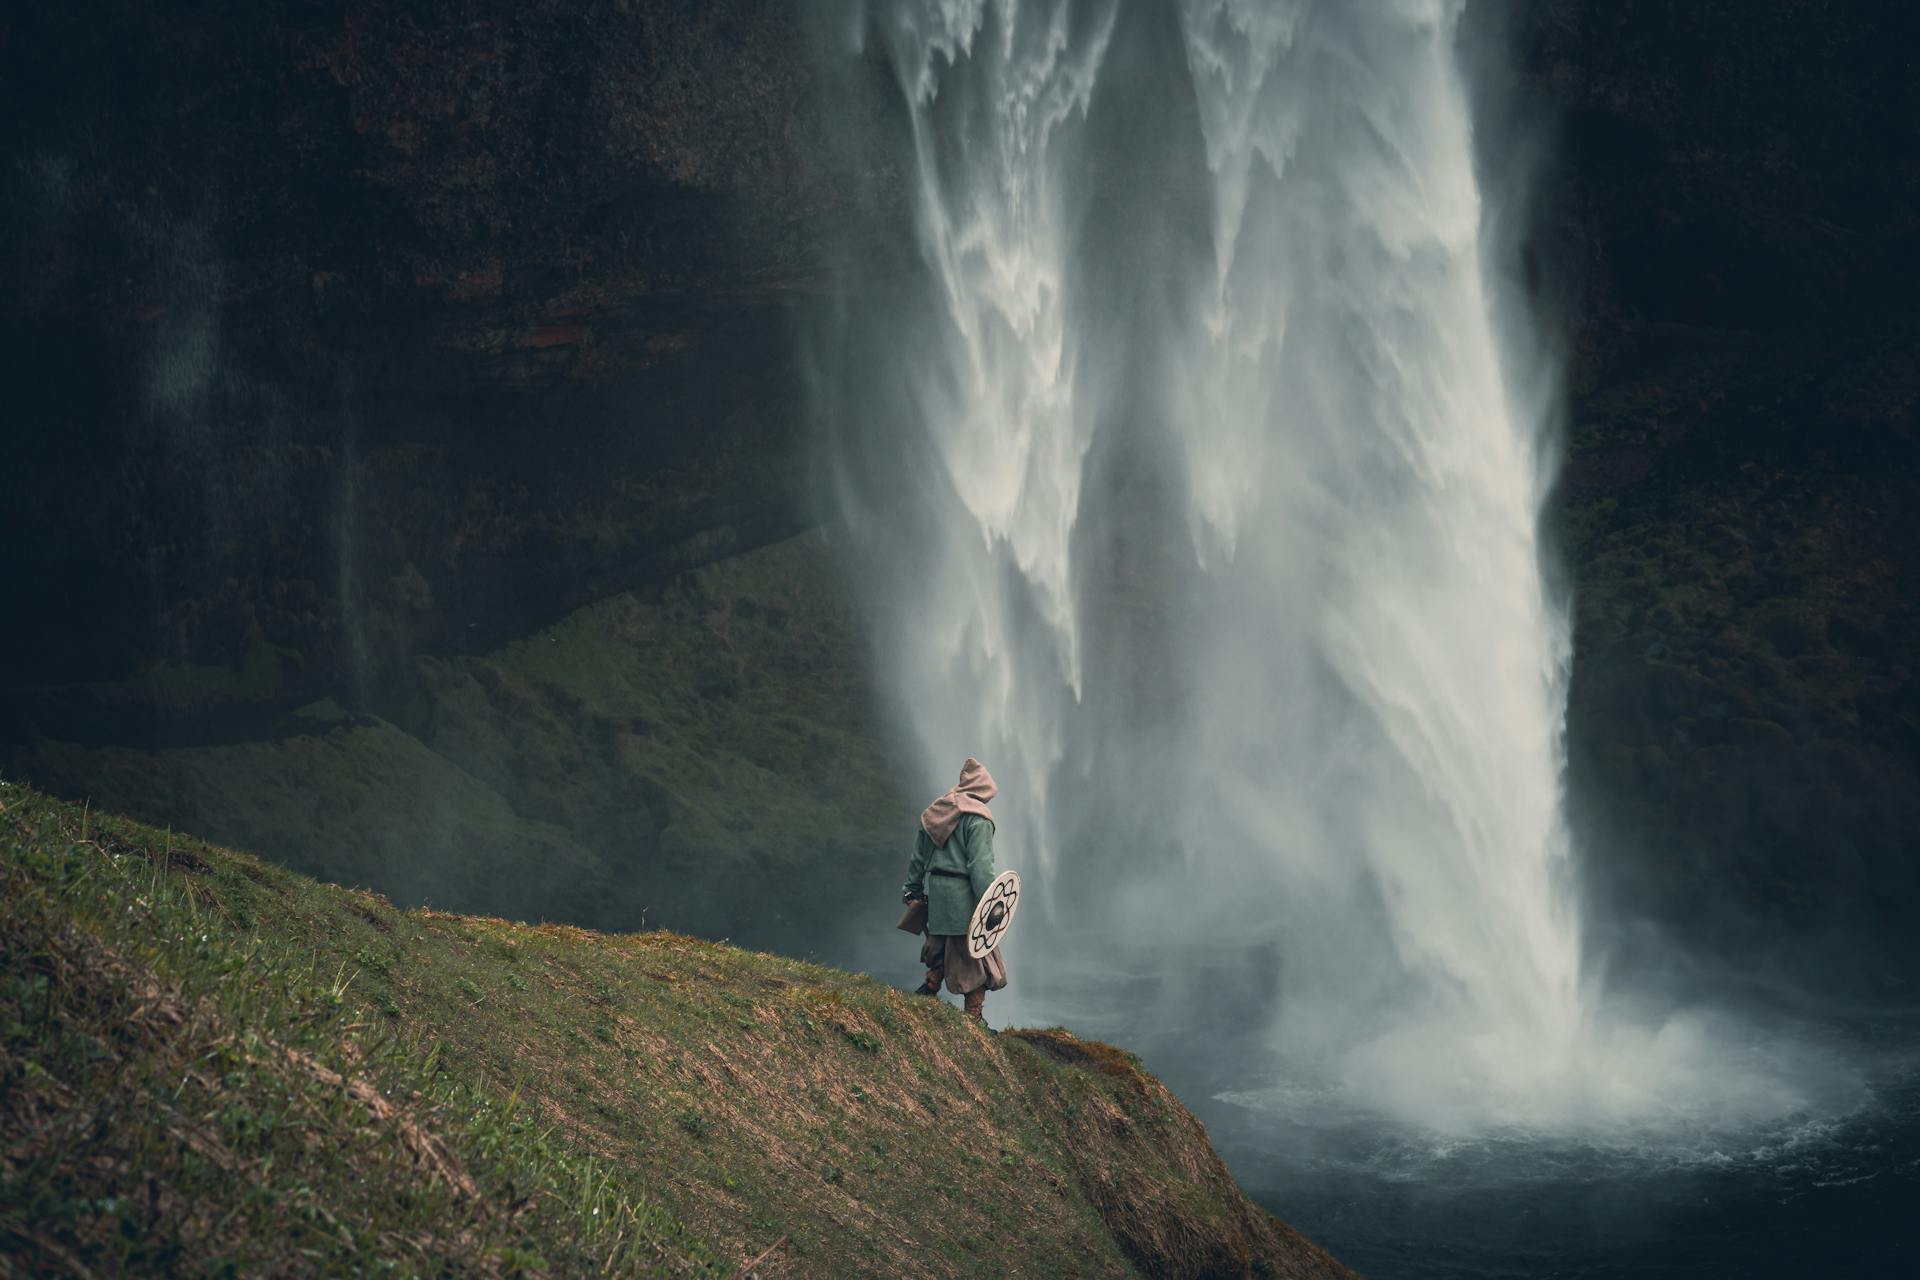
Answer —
(1200, 497)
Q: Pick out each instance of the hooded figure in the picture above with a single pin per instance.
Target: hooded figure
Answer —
(954, 852)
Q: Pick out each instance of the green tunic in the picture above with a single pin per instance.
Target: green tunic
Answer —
(953, 875)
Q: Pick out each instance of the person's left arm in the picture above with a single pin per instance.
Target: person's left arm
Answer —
(915, 887)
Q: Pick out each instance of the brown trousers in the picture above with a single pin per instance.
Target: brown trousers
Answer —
(945, 954)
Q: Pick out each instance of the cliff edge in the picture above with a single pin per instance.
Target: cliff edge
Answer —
(214, 1065)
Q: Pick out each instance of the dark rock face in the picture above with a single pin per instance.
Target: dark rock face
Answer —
(1735, 218)
(356, 330)
(1730, 166)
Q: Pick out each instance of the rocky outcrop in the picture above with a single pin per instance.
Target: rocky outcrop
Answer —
(1731, 223)
(360, 330)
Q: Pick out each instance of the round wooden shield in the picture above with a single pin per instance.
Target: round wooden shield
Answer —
(993, 914)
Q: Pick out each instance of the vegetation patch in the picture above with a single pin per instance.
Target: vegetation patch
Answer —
(339, 1087)
(1064, 1047)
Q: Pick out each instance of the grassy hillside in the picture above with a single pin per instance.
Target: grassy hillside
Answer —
(212, 1065)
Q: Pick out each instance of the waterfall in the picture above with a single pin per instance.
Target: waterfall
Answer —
(983, 624)
(1366, 492)
(1197, 491)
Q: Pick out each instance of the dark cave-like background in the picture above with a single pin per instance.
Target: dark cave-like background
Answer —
(406, 463)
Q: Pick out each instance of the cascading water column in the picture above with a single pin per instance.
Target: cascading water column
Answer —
(1382, 720)
(979, 615)
(1364, 755)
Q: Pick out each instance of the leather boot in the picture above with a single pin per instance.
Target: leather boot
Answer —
(977, 1003)
(931, 987)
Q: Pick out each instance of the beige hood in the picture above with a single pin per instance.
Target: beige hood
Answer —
(969, 795)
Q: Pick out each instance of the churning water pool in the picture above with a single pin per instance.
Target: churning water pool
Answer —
(1803, 1196)
(1778, 1142)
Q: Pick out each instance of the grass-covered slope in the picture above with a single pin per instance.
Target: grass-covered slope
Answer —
(209, 1064)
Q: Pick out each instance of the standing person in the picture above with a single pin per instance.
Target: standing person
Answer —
(954, 847)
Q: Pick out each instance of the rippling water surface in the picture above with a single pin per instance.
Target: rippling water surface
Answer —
(1805, 1197)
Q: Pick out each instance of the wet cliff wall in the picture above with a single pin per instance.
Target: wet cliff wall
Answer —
(360, 330)
(1731, 228)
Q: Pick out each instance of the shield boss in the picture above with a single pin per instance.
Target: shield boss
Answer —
(993, 914)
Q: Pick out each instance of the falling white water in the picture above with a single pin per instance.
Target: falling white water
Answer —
(1285, 680)
(988, 636)
(1365, 488)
